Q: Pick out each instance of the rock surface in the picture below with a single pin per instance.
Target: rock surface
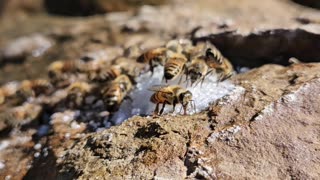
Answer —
(267, 129)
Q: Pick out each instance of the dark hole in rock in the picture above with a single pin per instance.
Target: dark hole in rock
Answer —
(142, 149)
(191, 165)
(47, 164)
(271, 46)
(92, 7)
(309, 3)
(149, 131)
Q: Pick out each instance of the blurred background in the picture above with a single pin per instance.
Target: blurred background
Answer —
(62, 21)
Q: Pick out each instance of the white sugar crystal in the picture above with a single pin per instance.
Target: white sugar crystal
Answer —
(37, 146)
(4, 144)
(139, 102)
(2, 165)
(36, 155)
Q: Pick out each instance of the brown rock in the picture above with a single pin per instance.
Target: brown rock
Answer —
(244, 135)
(267, 131)
(19, 49)
(20, 8)
(16, 155)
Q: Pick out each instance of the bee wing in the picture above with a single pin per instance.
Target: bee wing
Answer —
(157, 88)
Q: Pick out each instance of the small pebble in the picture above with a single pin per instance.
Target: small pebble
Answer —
(104, 113)
(36, 155)
(100, 129)
(2, 165)
(66, 118)
(45, 152)
(75, 125)
(43, 130)
(37, 146)
(90, 99)
(67, 135)
(4, 145)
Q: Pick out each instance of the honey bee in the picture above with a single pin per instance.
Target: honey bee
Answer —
(179, 46)
(174, 46)
(198, 70)
(8, 90)
(104, 73)
(171, 95)
(175, 66)
(132, 51)
(33, 88)
(129, 66)
(217, 61)
(59, 70)
(153, 57)
(77, 92)
(21, 115)
(116, 91)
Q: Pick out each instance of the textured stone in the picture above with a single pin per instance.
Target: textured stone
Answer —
(267, 131)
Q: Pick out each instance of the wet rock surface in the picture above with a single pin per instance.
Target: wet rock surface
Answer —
(266, 127)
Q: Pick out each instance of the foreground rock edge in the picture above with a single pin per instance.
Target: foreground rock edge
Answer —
(211, 144)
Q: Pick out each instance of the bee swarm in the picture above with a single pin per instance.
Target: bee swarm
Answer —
(103, 91)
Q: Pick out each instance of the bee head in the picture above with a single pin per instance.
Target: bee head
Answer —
(185, 98)
(194, 76)
(52, 74)
(111, 103)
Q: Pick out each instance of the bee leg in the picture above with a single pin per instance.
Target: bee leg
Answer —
(151, 68)
(202, 80)
(162, 109)
(198, 81)
(129, 98)
(193, 106)
(174, 108)
(219, 79)
(185, 109)
(203, 77)
(223, 77)
(187, 80)
(156, 110)
(227, 76)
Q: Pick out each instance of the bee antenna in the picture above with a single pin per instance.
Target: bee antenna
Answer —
(197, 83)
